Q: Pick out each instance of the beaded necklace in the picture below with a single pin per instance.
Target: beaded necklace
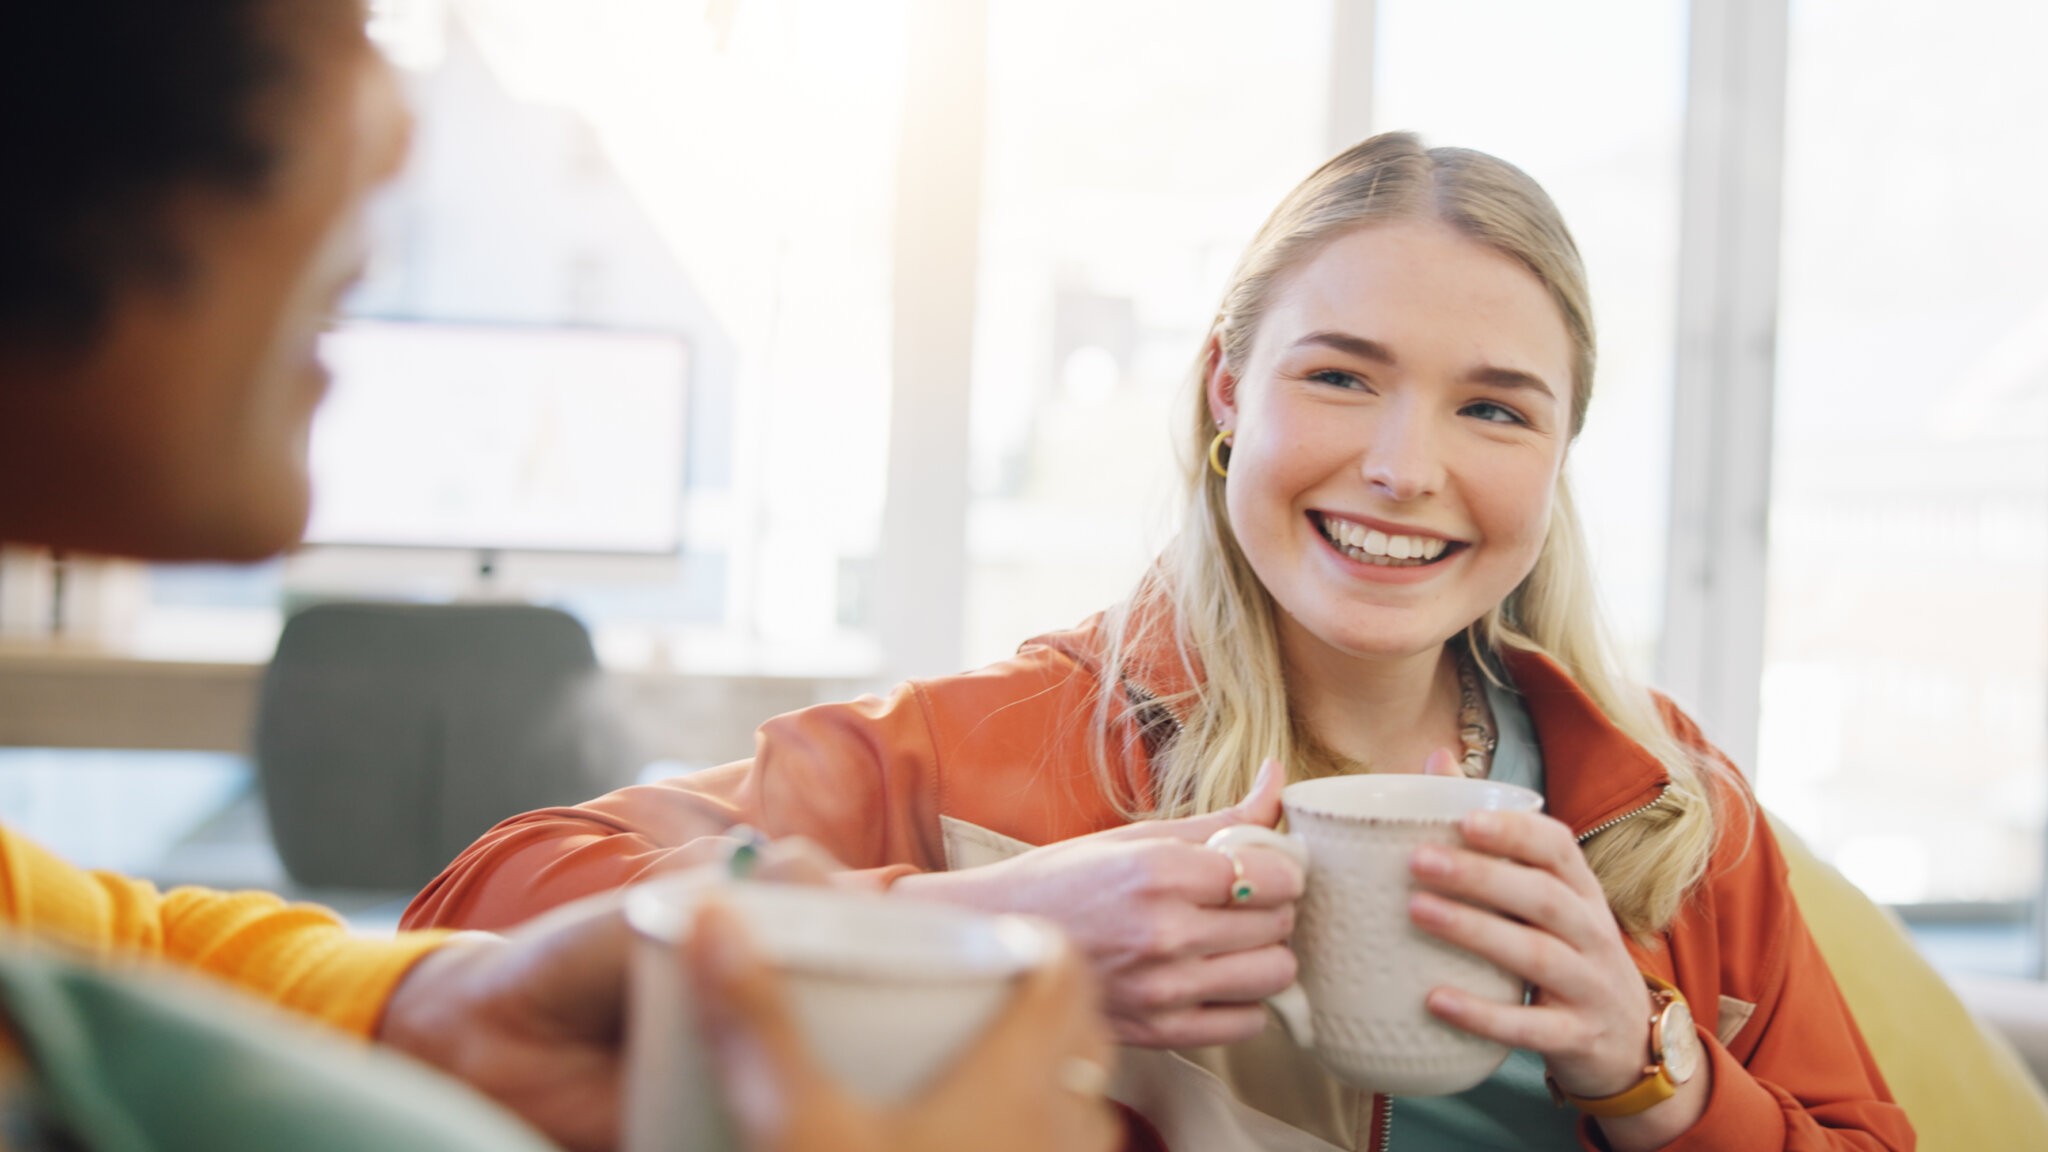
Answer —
(1475, 720)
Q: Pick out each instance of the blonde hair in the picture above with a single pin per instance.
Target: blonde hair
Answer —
(1235, 712)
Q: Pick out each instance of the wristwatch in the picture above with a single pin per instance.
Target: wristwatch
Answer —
(1675, 1056)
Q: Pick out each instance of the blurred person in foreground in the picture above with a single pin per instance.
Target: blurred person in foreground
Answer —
(182, 215)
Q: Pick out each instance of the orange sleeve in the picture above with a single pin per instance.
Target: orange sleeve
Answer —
(299, 956)
(859, 778)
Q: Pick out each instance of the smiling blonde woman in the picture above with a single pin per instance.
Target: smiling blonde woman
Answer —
(1378, 570)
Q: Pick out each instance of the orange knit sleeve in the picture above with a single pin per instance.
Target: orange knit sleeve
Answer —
(300, 956)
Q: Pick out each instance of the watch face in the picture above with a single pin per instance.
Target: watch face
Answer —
(1681, 1043)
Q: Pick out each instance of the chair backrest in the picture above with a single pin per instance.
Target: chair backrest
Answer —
(389, 736)
(1960, 1082)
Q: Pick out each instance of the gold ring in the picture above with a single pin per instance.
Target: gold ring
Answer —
(1241, 890)
(1083, 1077)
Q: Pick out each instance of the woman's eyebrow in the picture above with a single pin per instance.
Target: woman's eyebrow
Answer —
(1378, 353)
(1509, 378)
(1357, 346)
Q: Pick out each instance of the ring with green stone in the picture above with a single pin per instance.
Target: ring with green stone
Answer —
(1241, 890)
(746, 855)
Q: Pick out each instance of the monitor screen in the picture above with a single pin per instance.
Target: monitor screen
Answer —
(474, 436)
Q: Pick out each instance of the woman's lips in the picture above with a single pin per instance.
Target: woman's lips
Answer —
(1371, 545)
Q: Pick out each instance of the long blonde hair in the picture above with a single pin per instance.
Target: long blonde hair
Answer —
(1235, 711)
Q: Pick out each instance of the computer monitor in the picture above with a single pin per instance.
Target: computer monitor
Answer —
(500, 438)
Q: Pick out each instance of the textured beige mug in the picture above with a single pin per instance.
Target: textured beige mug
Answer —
(1365, 967)
(887, 993)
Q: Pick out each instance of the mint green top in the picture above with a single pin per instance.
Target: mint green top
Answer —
(137, 1059)
(1512, 1109)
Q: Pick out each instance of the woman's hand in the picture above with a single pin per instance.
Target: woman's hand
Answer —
(1181, 964)
(1522, 896)
(535, 1020)
(1033, 1082)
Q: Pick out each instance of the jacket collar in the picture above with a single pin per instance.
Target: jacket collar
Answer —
(1593, 772)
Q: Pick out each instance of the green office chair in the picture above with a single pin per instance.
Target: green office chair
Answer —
(389, 736)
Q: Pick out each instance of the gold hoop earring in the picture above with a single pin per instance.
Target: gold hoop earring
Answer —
(1217, 464)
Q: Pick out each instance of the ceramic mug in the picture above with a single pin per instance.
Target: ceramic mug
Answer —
(887, 993)
(1365, 966)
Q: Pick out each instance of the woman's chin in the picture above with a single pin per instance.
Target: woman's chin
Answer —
(1376, 641)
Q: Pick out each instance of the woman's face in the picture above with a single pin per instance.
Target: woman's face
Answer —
(1400, 423)
(182, 432)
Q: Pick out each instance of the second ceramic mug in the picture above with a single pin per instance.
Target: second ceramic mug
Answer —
(886, 992)
(1365, 967)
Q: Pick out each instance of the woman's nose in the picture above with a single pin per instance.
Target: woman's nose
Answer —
(1402, 460)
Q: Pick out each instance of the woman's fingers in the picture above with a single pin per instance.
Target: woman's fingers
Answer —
(1247, 877)
(1535, 1028)
(1593, 1044)
(1527, 894)
(1261, 805)
(1238, 978)
(1206, 1000)
(1536, 840)
(1144, 877)
(1531, 953)
(1224, 931)
(1200, 1001)
(1034, 1080)
(1196, 1026)
(1442, 762)
(763, 1063)
(1536, 911)
(1053, 1014)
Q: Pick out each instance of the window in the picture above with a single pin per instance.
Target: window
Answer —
(722, 175)
(1116, 200)
(1906, 657)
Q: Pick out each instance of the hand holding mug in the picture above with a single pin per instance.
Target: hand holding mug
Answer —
(1186, 942)
(1034, 1081)
(533, 1018)
(1522, 895)
(1365, 970)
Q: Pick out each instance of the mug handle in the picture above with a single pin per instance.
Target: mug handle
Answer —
(1290, 1004)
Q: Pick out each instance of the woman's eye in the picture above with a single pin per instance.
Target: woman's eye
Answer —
(1494, 413)
(1335, 378)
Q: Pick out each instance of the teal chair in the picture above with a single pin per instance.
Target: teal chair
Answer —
(389, 736)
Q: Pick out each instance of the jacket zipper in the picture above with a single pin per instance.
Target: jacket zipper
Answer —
(1146, 699)
(1143, 702)
(1625, 817)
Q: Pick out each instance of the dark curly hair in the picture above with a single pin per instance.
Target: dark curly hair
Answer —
(112, 106)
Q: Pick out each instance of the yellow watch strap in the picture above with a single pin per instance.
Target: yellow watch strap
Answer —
(1653, 1089)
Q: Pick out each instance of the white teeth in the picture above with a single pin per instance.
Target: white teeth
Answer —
(1371, 544)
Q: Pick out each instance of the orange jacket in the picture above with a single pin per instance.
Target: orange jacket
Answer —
(892, 785)
(297, 955)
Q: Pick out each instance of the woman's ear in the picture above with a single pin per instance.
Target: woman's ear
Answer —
(1220, 385)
